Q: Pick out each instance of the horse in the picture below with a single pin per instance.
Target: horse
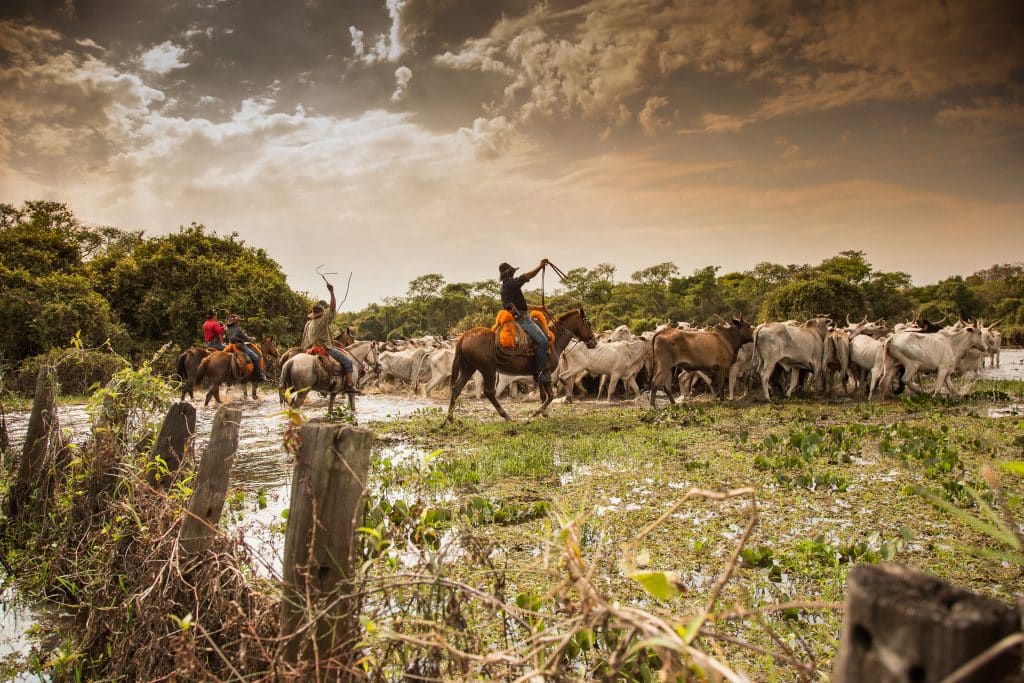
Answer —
(364, 353)
(268, 349)
(304, 372)
(342, 340)
(476, 350)
(187, 368)
(224, 366)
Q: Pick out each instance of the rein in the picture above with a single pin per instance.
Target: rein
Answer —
(558, 272)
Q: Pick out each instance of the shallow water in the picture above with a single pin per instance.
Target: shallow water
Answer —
(262, 472)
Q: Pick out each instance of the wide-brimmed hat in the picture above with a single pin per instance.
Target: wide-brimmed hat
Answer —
(232, 319)
(318, 309)
(505, 271)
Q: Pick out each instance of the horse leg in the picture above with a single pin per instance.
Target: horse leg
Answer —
(460, 376)
(490, 379)
(547, 394)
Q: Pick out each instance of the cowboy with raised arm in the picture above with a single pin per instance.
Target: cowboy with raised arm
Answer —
(513, 301)
(318, 331)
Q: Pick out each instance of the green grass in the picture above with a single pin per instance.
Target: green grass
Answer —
(837, 483)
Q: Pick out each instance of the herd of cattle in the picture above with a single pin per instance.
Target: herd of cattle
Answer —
(733, 356)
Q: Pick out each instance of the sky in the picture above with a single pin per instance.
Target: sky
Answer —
(393, 138)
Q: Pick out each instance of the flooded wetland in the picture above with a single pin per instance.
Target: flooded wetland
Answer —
(835, 483)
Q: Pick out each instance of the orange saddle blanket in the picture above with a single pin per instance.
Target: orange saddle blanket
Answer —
(505, 326)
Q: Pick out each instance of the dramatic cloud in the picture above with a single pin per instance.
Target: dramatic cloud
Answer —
(403, 75)
(163, 58)
(594, 130)
(388, 46)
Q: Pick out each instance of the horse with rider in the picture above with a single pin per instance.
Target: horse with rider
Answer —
(229, 355)
(525, 340)
(321, 362)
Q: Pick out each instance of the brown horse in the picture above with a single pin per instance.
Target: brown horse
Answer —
(226, 366)
(187, 369)
(271, 357)
(475, 350)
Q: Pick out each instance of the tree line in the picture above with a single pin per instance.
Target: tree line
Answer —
(844, 285)
(104, 286)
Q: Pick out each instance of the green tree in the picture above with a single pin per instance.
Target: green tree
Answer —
(849, 265)
(808, 297)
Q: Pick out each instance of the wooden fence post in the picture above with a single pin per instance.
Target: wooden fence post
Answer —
(211, 485)
(41, 424)
(325, 510)
(906, 626)
(173, 442)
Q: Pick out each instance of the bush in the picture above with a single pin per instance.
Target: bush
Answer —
(77, 370)
(806, 298)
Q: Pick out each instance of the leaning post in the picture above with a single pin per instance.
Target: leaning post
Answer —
(211, 484)
(331, 466)
(903, 625)
(41, 424)
(173, 442)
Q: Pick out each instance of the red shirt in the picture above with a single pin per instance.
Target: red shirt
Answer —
(213, 330)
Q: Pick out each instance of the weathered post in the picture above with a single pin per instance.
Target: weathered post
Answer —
(326, 502)
(173, 442)
(211, 485)
(41, 424)
(906, 626)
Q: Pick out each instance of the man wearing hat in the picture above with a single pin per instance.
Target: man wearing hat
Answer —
(235, 335)
(513, 301)
(318, 331)
(213, 331)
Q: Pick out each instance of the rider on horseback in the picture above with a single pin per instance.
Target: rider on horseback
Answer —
(318, 331)
(235, 335)
(213, 331)
(514, 302)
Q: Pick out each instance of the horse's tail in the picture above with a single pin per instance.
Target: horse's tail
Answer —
(181, 369)
(456, 362)
(284, 382)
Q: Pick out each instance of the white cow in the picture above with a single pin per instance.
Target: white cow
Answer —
(939, 352)
(619, 360)
(836, 361)
(440, 364)
(743, 369)
(404, 365)
(794, 347)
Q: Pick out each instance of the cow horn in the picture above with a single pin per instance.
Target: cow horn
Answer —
(995, 323)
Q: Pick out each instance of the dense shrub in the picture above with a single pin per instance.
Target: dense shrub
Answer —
(806, 298)
(77, 370)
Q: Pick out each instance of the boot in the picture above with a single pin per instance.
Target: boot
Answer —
(350, 384)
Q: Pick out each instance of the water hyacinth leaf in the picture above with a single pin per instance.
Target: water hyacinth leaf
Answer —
(662, 585)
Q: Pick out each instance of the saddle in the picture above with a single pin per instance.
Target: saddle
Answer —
(327, 363)
(510, 337)
(241, 367)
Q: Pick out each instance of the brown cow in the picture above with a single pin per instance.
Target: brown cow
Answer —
(712, 351)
